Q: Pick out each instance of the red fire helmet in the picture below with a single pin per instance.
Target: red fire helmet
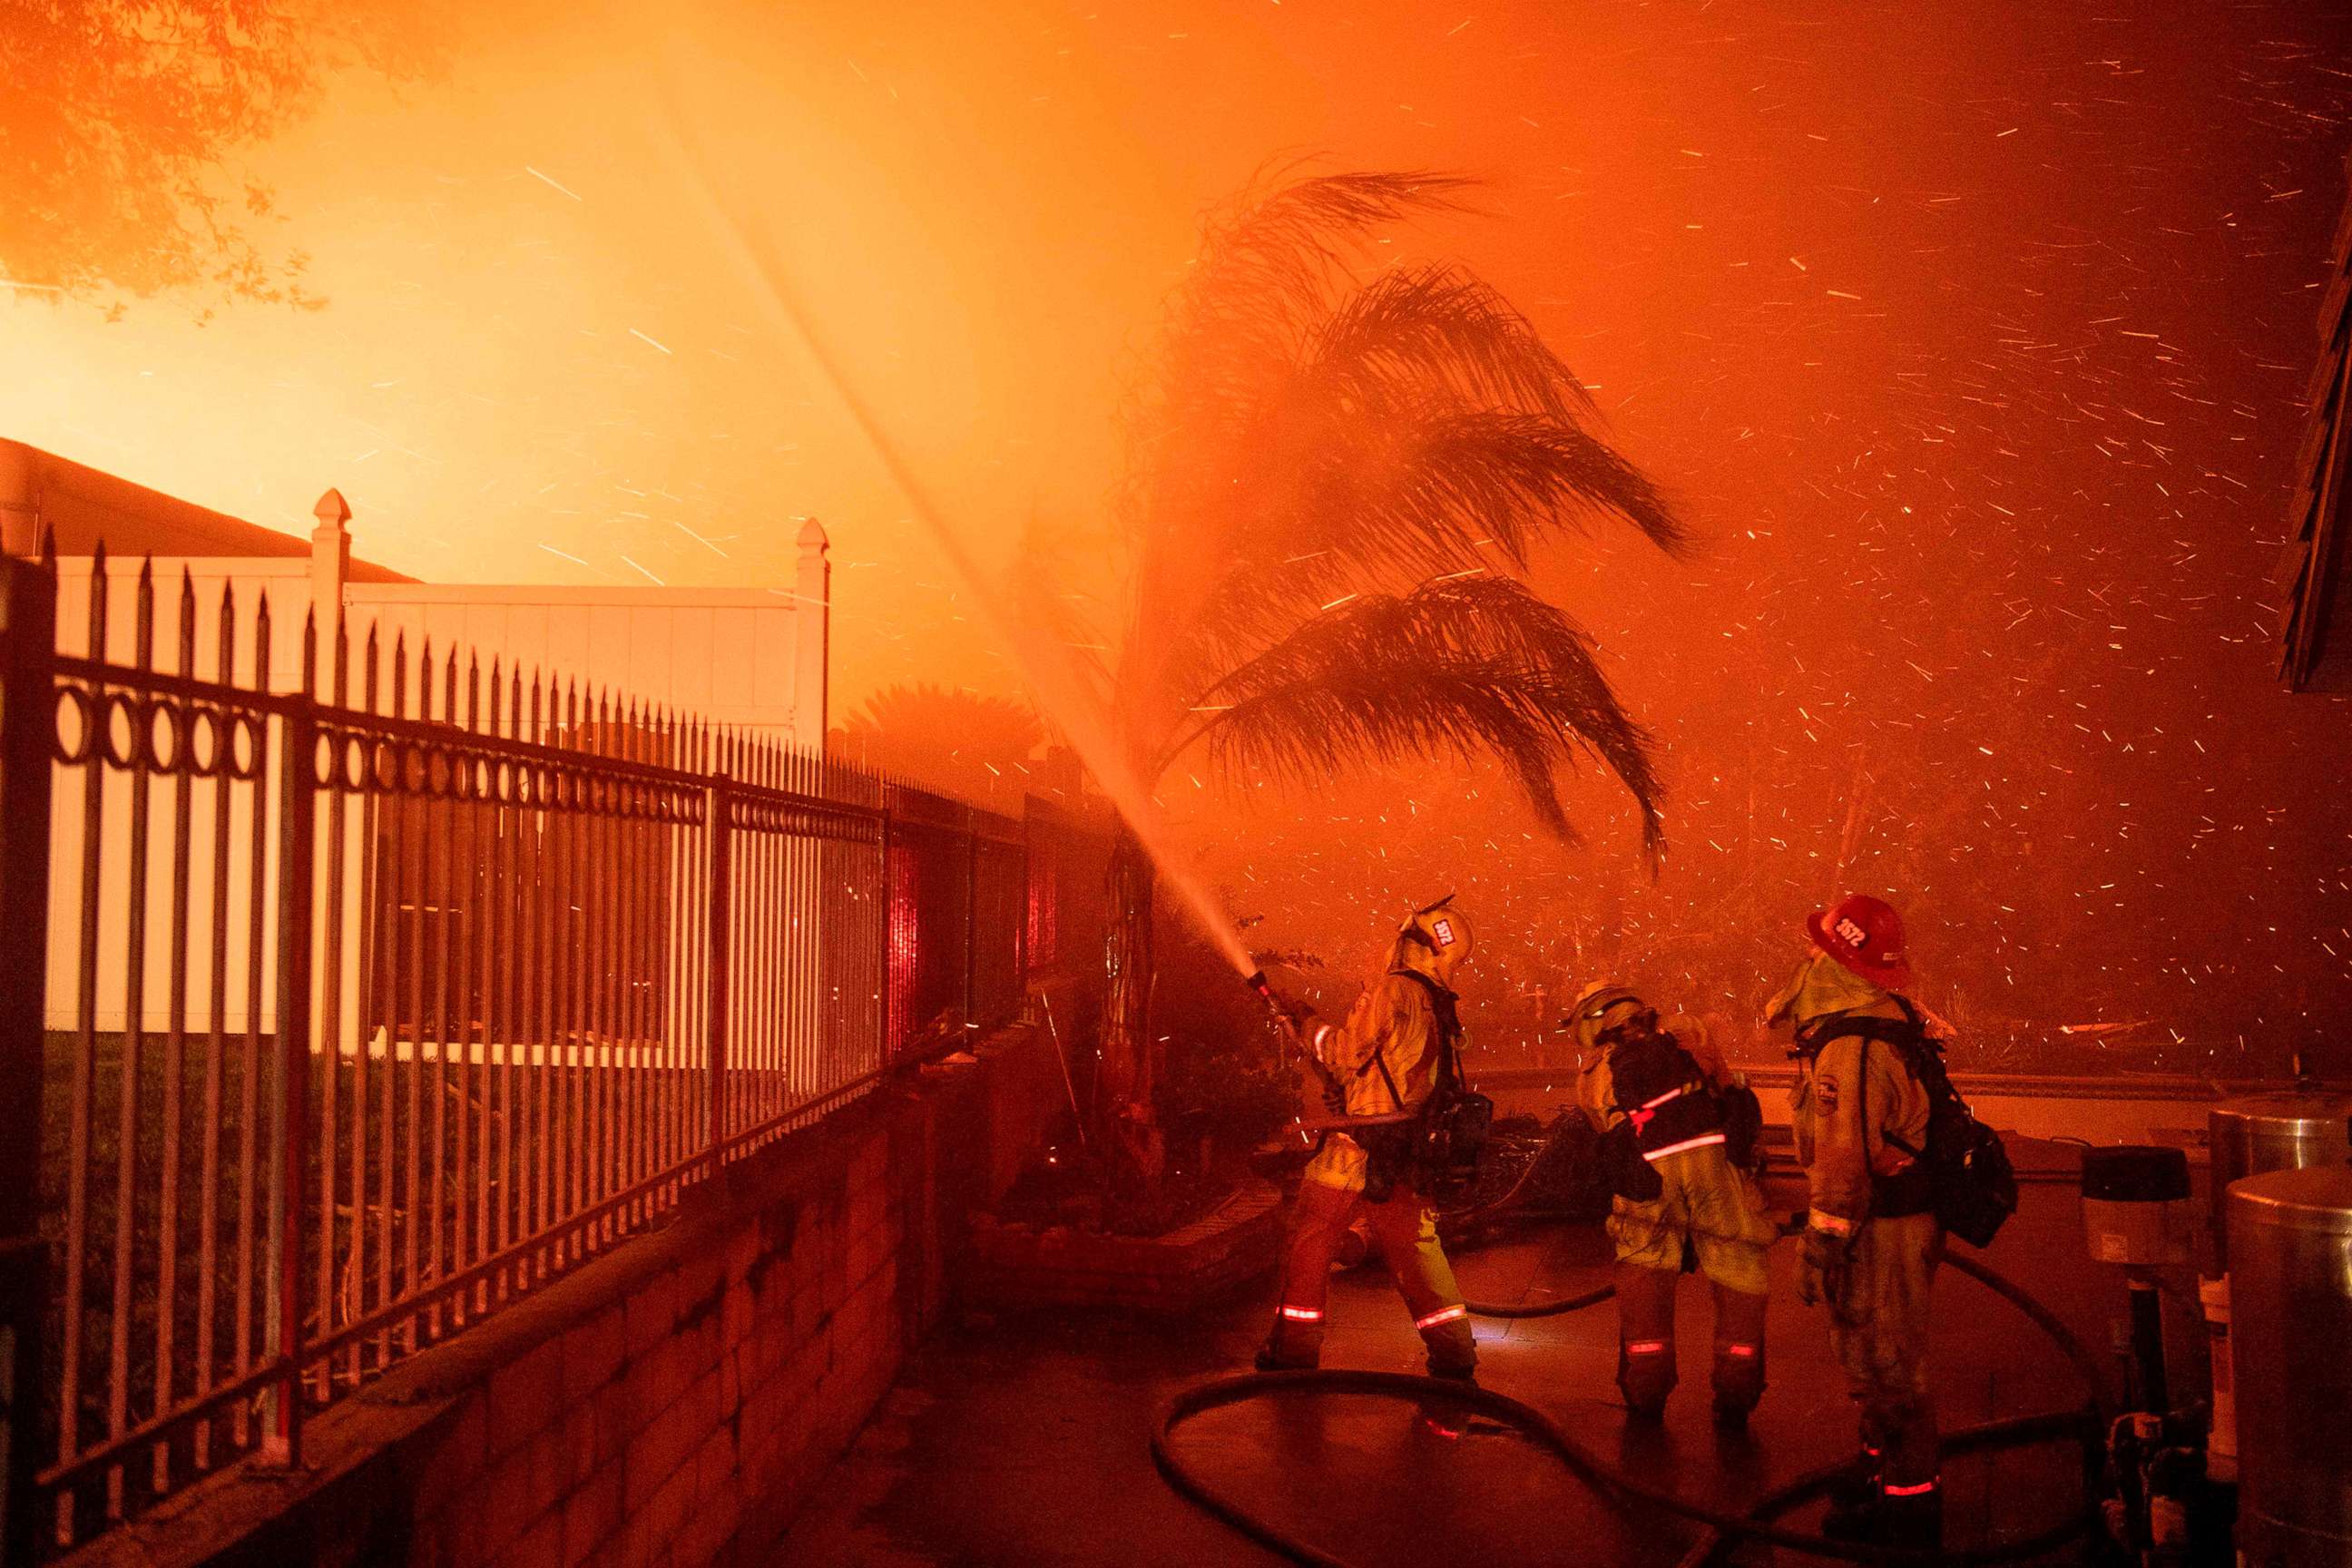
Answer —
(1864, 935)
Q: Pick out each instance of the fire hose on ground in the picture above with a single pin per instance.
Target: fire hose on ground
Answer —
(1722, 1528)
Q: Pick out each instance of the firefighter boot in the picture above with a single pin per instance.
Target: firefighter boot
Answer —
(1738, 1355)
(1853, 1512)
(1453, 1348)
(1857, 1486)
(1911, 1498)
(1911, 1517)
(1905, 1507)
(1295, 1342)
(1645, 1339)
(1855, 1495)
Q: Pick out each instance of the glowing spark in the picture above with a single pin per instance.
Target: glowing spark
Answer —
(635, 333)
(535, 175)
(649, 576)
(704, 542)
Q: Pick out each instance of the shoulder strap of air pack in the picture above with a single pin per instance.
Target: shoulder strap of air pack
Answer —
(1921, 1059)
(1838, 1025)
(1906, 1037)
(1448, 1018)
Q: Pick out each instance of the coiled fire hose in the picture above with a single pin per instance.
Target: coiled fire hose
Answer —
(1722, 1528)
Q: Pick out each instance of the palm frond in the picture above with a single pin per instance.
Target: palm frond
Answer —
(1277, 247)
(1312, 439)
(1269, 264)
(1473, 667)
(1436, 344)
(1436, 322)
(1318, 437)
(1399, 496)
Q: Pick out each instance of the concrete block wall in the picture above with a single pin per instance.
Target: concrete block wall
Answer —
(670, 1405)
(658, 1428)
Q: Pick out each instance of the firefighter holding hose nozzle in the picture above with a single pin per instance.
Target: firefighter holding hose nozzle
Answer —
(1678, 1132)
(1397, 1053)
(1872, 1239)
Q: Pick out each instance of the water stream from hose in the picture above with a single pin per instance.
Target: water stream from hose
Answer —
(1054, 686)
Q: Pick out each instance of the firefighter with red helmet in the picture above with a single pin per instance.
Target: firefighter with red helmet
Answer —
(1383, 1065)
(1670, 1112)
(1871, 1240)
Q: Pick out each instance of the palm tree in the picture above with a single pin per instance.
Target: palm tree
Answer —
(1336, 474)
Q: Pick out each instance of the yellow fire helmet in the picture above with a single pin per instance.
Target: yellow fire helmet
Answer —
(1589, 1013)
(1435, 940)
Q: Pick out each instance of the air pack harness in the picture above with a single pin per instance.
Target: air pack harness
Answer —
(1434, 1147)
(1960, 1170)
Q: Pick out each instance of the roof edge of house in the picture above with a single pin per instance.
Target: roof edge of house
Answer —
(85, 507)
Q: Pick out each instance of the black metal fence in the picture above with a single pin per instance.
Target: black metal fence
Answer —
(347, 997)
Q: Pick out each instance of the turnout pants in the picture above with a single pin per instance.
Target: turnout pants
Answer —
(1878, 1331)
(1404, 1233)
(1710, 1207)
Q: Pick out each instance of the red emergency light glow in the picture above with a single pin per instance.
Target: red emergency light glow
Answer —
(904, 878)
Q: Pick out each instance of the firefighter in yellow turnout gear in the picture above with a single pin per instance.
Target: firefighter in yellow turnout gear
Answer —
(1387, 1057)
(1670, 1106)
(1871, 1240)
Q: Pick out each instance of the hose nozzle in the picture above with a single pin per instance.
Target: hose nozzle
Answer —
(1283, 1014)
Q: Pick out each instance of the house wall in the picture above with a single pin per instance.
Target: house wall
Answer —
(728, 656)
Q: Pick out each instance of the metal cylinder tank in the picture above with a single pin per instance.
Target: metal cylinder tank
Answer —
(2135, 1208)
(2291, 1297)
(2272, 1132)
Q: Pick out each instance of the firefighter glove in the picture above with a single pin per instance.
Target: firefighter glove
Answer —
(1821, 1267)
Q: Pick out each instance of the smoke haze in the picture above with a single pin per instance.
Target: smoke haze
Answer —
(1971, 340)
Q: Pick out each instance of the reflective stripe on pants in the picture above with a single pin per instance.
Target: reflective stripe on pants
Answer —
(1645, 1337)
(1404, 1233)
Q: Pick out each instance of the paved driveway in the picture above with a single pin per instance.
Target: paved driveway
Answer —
(1020, 1441)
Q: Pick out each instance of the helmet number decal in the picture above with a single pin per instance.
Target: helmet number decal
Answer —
(1854, 936)
(1443, 929)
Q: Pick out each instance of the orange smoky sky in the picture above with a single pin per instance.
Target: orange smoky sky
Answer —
(1970, 339)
